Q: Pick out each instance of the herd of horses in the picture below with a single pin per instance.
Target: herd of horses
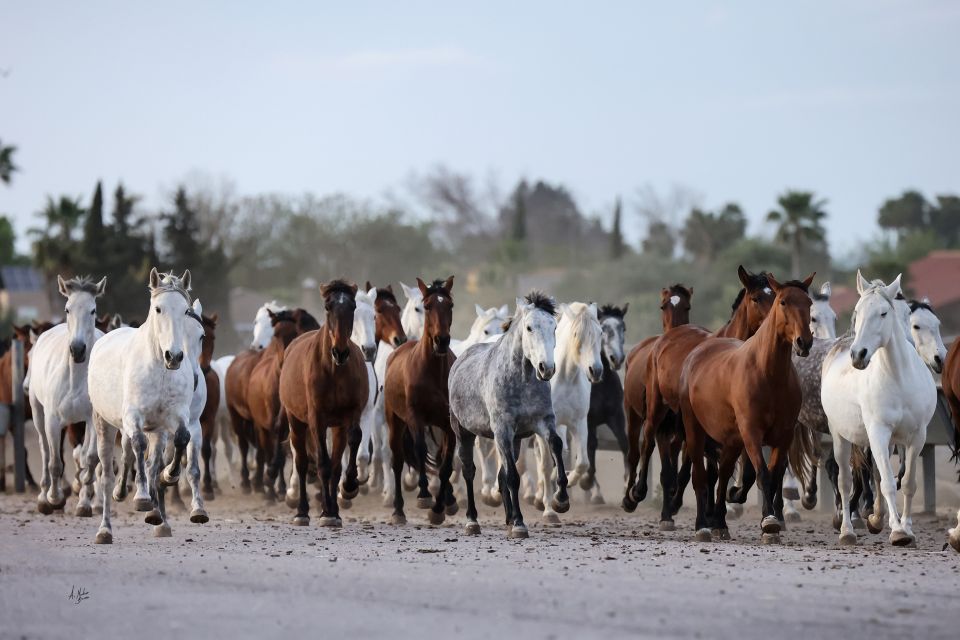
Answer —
(377, 395)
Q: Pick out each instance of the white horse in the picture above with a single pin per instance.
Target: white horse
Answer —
(412, 317)
(137, 385)
(823, 319)
(57, 388)
(577, 356)
(875, 406)
(262, 328)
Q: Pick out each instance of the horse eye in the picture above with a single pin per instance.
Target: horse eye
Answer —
(813, 320)
(529, 328)
(94, 312)
(157, 309)
(883, 315)
(419, 310)
(756, 299)
(486, 332)
(66, 311)
(916, 327)
(783, 303)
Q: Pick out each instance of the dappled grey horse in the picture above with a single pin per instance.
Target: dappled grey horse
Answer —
(502, 391)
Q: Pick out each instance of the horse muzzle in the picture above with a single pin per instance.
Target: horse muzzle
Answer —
(78, 351)
(399, 339)
(859, 359)
(441, 344)
(801, 347)
(545, 372)
(340, 356)
(369, 353)
(937, 365)
(595, 374)
(172, 360)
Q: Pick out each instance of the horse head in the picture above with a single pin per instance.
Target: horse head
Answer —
(412, 316)
(81, 313)
(283, 326)
(755, 299)
(209, 339)
(675, 306)
(389, 327)
(536, 320)
(438, 313)
(365, 323)
(339, 302)
(169, 302)
(925, 329)
(262, 326)
(614, 333)
(791, 312)
(585, 337)
(875, 318)
(823, 319)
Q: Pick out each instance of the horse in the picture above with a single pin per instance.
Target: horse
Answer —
(745, 395)
(606, 396)
(208, 417)
(501, 390)
(578, 367)
(489, 322)
(137, 385)
(891, 402)
(950, 382)
(365, 336)
(412, 317)
(416, 399)
(57, 387)
(323, 385)
(23, 334)
(674, 312)
(263, 324)
(665, 364)
(823, 319)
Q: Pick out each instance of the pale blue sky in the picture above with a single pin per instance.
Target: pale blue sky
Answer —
(855, 100)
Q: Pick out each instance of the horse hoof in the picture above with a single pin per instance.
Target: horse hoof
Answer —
(858, 523)
(292, 501)
(424, 503)
(472, 529)
(103, 537)
(793, 516)
(901, 539)
(560, 507)
(167, 480)
(597, 499)
(954, 540)
(330, 521)
(434, 517)
(770, 538)
(345, 503)
(199, 516)
(874, 524)
(770, 524)
(349, 495)
(398, 519)
(550, 518)
(75, 486)
(451, 509)
(791, 493)
(539, 505)
(143, 504)
(628, 504)
(809, 502)
(518, 532)
(44, 507)
(667, 525)
(153, 517)
(586, 483)
(300, 521)
(703, 535)
(84, 511)
(721, 534)
(162, 531)
(848, 539)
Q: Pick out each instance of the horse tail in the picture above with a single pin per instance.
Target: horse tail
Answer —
(803, 452)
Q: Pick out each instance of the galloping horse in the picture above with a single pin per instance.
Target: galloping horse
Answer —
(674, 312)
(208, 418)
(889, 403)
(501, 390)
(416, 398)
(323, 385)
(137, 385)
(58, 387)
(746, 395)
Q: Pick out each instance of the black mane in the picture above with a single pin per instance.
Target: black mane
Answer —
(820, 297)
(542, 301)
(305, 320)
(799, 284)
(610, 310)
(679, 290)
(437, 286)
(386, 295)
(917, 304)
(338, 286)
(281, 316)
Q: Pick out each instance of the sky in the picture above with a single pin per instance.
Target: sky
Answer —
(856, 101)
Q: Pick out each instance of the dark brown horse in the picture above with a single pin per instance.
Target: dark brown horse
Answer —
(674, 312)
(663, 387)
(416, 398)
(746, 395)
(323, 385)
(208, 419)
(6, 397)
(389, 329)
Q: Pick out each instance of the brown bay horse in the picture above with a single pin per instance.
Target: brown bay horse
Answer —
(388, 327)
(674, 312)
(323, 385)
(745, 395)
(417, 398)
(752, 305)
(208, 418)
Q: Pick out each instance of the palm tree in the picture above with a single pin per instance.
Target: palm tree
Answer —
(56, 248)
(799, 224)
(6, 163)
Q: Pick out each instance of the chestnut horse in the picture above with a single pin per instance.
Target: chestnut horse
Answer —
(663, 385)
(323, 384)
(208, 418)
(950, 382)
(416, 398)
(674, 312)
(746, 395)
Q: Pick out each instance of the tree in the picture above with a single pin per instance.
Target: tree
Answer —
(7, 167)
(519, 230)
(93, 235)
(8, 239)
(799, 225)
(907, 213)
(706, 234)
(660, 240)
(56, 249)
(617, 245)
(945, 219)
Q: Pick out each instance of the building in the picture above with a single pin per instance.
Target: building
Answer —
(23, 294)
(937, 277)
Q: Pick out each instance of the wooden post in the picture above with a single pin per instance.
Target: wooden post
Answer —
(16, 418)
(929, 466)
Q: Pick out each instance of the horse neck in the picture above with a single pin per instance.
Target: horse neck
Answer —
(770, 350)
(736, 326)
(896, 355)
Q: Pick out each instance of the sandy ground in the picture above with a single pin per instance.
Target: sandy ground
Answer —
(602, 573)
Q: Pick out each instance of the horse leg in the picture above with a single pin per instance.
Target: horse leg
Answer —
(128, 460)
(631, 458)
(859, 484)
(396, 429)
(728, 462)
(695, 442)
(833, 471)
(770, 524)
(545, 479)
(953, 535)
(159, 475)
(841, 455)
(424, 500)
(331, 467)
(198, 513)
(43, 502)
(748, 478)
(142, 500)
(809, 500)
(240, 429)
(489, 494)
(54, 459)
(510, 481)
(879, 436)
(106, 437)
(445, 470)
(206, 450)
(171, 474)
(350, 484)
(301, 460)
(868, 494)
(909, 484)
(366, 432)
(465, 444)
(790, 494)
(668, 479)
(266, 451)
(656, 412)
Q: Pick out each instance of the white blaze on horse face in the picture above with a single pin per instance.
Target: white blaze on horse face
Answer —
(876, 319)
(364, 324)
(925, 329)
(262, 327)
(412, 316)
(538, 330)
(168, 311)
(674, 300)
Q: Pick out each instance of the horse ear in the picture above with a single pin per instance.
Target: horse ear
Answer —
(368, 286)
(593, 310)
(626, 305)
(894, 287)
(744, 275)
(185, 280)
(808, 281)
(825, 289)
(776, 286)
(215, 318)
(389, 288)
(521, 303)
(690, 291)
(862, 284)
(422, 286)
(480, 310)
(271, 314)
(448, 284)
(62, 286)
(116, 322)
(406, 290)
(371, 293)
(353, 289)
(503, 311)
(101, 287)
(154, 278)
(664, 293)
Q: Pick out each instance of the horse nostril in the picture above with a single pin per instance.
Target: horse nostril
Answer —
(937, 360)
(863, 354)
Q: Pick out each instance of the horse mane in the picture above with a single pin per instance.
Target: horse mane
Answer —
(679, 290)
(542, 301)
(339, 285)
(209, 322)
(820, 297)
(284, 315)
(919, 304)
(305, 320)
(81, 283)
(796, 283)
(386, 295)
(612, 311)
(582, 322)
(170, 283)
